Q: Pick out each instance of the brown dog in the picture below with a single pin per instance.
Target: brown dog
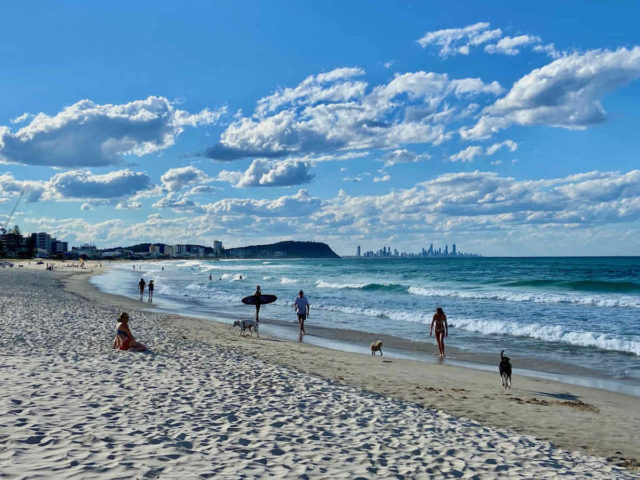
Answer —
(376, 347)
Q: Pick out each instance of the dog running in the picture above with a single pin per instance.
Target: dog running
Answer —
(376, 347)
(245, 325)
(505, 370)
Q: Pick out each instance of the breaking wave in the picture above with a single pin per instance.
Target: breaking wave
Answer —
(538, 297)
(548, 333)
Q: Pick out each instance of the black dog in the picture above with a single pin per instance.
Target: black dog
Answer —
(505, 370)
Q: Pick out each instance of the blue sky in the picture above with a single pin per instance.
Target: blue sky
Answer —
(504, 130)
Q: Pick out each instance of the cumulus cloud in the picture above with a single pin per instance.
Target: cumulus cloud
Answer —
(84, 184)
(88, 134)
(383, 178)
(507, 144)
(265, 173)
(484, 200)
(117, 188)
(300, 204)
(331, 114)
(566, 93)
(511, 45)
(403, 156)
(458, 41)
(176, 179)
(467, 155)
(462, 204)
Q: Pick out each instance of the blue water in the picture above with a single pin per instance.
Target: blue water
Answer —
(582, 312)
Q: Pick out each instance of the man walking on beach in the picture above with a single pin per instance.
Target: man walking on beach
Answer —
(301, 305)
(151, 288)
(141, 285)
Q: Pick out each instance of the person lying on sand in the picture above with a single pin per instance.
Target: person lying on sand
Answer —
(124, 338)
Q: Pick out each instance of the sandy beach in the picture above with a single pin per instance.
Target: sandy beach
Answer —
(205, 402)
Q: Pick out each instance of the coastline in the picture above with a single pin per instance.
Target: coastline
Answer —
(572, 417)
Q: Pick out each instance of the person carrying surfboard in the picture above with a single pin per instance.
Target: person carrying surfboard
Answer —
(257, 295)
(301, 305)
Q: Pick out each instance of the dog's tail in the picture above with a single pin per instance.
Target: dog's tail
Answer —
(501, 354)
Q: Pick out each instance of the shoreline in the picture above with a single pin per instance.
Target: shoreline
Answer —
(358, 341)
(573, 417)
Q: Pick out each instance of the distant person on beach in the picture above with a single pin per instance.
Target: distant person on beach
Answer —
(301, 306)
(151, 288)
(441, 328)
(124, 338)
(141, 285)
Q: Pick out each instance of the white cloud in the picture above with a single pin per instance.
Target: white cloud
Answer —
(472, 205)
(265, 173)
(319, 117)
(458, 41)
(403, 156)
(90, 134)
(300, 204)
(566, 93)
(467, 155)
(511, 45)
(95, 190)
(383, 178)
(508, 144)
(21, 118)
(84, 184)
(176, 179)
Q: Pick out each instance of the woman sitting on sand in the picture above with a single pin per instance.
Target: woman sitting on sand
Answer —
(442, 329)
(124, 338)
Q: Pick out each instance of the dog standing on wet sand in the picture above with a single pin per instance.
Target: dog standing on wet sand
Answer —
(376, 347)
(505, 370)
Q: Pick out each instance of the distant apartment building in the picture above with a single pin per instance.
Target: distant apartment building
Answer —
(217, 247)
(41, 241)
(358, 251)
(188, 250)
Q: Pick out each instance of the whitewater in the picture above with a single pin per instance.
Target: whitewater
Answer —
(583, 312)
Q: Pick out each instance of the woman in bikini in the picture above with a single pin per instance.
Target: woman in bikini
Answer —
(442, 329)
(124, 338)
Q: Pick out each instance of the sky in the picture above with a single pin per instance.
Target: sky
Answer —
(507, 129)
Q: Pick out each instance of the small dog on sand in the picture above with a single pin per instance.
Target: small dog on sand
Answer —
(246, 325)
(505, 370)
(376, 347)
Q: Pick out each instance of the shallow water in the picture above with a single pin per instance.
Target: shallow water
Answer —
(577, 311)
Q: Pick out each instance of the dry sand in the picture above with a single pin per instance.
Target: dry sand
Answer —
(206, 402)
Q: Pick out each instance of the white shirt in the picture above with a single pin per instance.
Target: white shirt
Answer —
(301, 304)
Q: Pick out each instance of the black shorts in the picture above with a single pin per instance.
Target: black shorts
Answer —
(302, 316)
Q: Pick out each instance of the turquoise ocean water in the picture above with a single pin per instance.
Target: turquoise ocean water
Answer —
(582, 312)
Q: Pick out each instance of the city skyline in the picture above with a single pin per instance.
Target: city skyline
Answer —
(510, 133)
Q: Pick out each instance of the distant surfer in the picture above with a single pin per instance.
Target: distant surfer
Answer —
(301, 306)
(240, 277)
(441, 328)
(141, 285)
(210, 277)
(151, 288)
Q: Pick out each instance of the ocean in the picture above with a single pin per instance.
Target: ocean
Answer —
(561, 314)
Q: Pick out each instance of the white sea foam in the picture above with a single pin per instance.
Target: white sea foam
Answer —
(288, 281)
(548, 333)
(401, 315)
(538, 297)
(339, 286)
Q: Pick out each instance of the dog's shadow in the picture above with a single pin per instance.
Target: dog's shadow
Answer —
(559, 396)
